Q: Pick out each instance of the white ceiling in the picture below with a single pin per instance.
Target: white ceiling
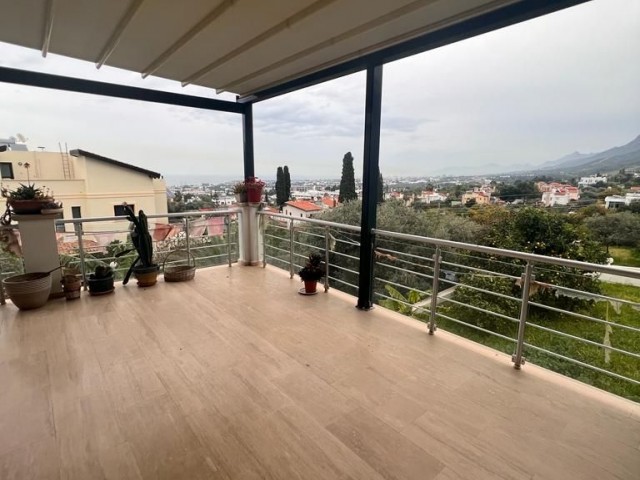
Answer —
(240, 46)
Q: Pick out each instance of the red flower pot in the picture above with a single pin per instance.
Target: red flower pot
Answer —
(310, 286)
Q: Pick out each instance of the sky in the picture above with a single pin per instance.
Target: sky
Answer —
(510, 99)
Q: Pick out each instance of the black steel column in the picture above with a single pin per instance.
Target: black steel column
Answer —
(247, 140)
(370, 174)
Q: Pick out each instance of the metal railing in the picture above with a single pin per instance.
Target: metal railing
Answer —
(219, 246)
(549, 309)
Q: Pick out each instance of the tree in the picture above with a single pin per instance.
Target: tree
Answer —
(519, 189)
(280, 188)
(615, 229)
(380, 188)
(287, 184)
(347, 181)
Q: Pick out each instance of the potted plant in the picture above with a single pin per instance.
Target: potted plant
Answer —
(27, 199)
(143, 267)
(100, 282)
(240, 191)
(51, 207)
(28, 290)
(254, 188)
(71, 283)
(313, 271)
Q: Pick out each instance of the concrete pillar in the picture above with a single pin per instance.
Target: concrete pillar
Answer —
(248, 235)
(40, 247)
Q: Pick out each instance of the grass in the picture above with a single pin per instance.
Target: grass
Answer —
(597, 356)
(625, 256)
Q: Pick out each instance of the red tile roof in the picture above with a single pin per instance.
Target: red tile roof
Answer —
(304, 205)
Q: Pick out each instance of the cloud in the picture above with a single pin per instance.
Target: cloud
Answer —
(528, 93)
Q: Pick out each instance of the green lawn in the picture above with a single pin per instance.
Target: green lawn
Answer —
(618, 337)
(625, 256)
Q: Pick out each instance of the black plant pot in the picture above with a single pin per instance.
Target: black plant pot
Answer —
(100, 286)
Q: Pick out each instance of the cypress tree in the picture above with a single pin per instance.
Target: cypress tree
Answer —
(347, 181)
(380, 188)
(287, 184)
(280, 193)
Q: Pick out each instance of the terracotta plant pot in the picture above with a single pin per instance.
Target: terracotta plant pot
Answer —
(71, 285)
(29, 290)
(146, 276)
(310, 286)
(27, 207)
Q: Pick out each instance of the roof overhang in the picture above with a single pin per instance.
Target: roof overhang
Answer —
(83, 153)
(254, 48)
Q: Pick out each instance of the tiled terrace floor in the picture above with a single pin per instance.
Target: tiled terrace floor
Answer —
(237, 376)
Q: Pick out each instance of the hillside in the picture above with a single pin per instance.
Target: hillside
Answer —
(609, 161)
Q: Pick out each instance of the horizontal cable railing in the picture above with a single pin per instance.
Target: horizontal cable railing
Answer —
(205, 238)
(554, 311)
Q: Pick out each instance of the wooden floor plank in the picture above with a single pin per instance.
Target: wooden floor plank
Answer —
(236, 376)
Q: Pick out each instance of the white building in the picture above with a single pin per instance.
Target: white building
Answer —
(429, 196)
(591, 180)
(301, 209)
(556, 197)
(617, 201)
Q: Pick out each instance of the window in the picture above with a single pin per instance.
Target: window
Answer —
(6, 170)
(75, 212)
(60, 227)
(120, 211)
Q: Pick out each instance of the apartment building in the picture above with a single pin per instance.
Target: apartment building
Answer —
(88, 184)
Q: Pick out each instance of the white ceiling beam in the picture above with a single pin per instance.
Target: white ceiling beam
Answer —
(187, 37)
(48, 27)
(365, 27)
(116, 35)
(287, 23)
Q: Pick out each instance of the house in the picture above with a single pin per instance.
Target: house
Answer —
(88, 184)
(617, 201)
(555, 197)
(429, 196)
(481, 197)
(329, 202)
(591, 180)
(301, 208)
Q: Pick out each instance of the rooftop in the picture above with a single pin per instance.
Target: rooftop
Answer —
(190, 381)
(304, 205)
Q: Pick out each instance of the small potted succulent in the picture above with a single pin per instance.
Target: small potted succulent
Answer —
(311, 273)
(100, 282)
(240, 191)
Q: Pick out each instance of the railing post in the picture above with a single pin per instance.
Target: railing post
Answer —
(517, 358)
(78, 228)
(227, 221)
(263, 229)
(186, 235)
(291, 248)
(435, 285)
(326, 259)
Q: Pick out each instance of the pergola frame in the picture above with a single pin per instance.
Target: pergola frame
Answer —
(508, 15)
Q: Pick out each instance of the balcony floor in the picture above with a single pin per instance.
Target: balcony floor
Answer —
(236, 376)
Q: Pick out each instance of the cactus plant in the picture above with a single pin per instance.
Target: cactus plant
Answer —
(143, 245)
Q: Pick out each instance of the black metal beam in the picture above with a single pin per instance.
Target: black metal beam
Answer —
(247, 141)
(58, 82)
(370, 173)
(508, 15)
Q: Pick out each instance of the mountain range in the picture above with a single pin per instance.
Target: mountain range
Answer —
(609, 161)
